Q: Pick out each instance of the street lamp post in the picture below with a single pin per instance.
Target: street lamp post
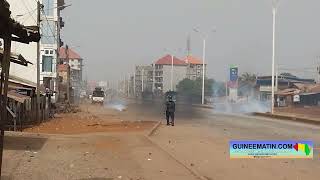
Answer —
(204, 36)
(171, 84)
(274, 11)
(203, 68)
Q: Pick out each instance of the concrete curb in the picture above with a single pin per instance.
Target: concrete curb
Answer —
(193, 172)
(154, 128)
(289, 118)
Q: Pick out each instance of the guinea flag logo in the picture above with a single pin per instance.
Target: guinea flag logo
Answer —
(302, 147)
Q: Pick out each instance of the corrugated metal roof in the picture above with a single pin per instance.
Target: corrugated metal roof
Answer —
(308, 88)
(289, 91)
(17, 97)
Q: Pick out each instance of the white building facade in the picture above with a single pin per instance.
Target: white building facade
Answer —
(25, 12)
(163, 69)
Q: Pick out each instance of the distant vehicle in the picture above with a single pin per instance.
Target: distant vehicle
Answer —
(98, 96)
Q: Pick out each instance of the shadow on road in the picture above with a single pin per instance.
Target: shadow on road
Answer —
(23, 143)
(6, 178)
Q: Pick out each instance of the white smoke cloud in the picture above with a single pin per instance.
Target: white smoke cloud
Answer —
(117, 104)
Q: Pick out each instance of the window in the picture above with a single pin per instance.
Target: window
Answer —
(158, 66)
(159, 73)
(48, 31)
(51, 52)
(47, 63)
(48, 7)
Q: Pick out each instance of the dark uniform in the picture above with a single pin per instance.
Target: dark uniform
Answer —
(170, 109)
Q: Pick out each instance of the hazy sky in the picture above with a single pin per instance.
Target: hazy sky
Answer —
(115, 35)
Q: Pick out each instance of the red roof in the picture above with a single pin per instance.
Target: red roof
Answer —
(72, 54)
(63, 67)
(192, 60)
(167, 60)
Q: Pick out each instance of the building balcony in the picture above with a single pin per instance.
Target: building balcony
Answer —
(48, 74)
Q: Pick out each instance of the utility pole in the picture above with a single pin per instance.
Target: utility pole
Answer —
(277, 78)
(153, 77)
(5, 65)
(128, 84)
(69, 69)
(57, 94)
(171, 84)
(142, 80)
(203, 69)
(318, 69)
(226, 90)
(134, 82)
(38, 63)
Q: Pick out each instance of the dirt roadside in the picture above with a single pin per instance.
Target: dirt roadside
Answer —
(92, 119)
(303, 112)
(97, 143)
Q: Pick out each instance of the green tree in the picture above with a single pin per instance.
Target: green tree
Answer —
(247, 78)
(194, 87)
(247, 81)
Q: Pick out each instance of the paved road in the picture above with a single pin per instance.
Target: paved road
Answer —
(202, 143)
(199, 142)
(109, 155)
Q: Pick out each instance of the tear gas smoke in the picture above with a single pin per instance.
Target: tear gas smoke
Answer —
(117, 104)
(247, 103)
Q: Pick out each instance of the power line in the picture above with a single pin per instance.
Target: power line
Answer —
(29, 11)
(27, 18)
(53, 34)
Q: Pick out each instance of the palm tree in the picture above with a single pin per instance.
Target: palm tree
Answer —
(247, 78)
(247, 82)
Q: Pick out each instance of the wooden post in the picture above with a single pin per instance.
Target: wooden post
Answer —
(68, 77)
(5, 64)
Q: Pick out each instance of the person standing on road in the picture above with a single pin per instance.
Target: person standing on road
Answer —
(170, 110)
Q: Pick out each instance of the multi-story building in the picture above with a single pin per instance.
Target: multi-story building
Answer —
(64, 81)
(25, 12)
(51, 23)
(75, 62)
(157, 78)
(143, 79)
(163, 76)
(195, 67)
